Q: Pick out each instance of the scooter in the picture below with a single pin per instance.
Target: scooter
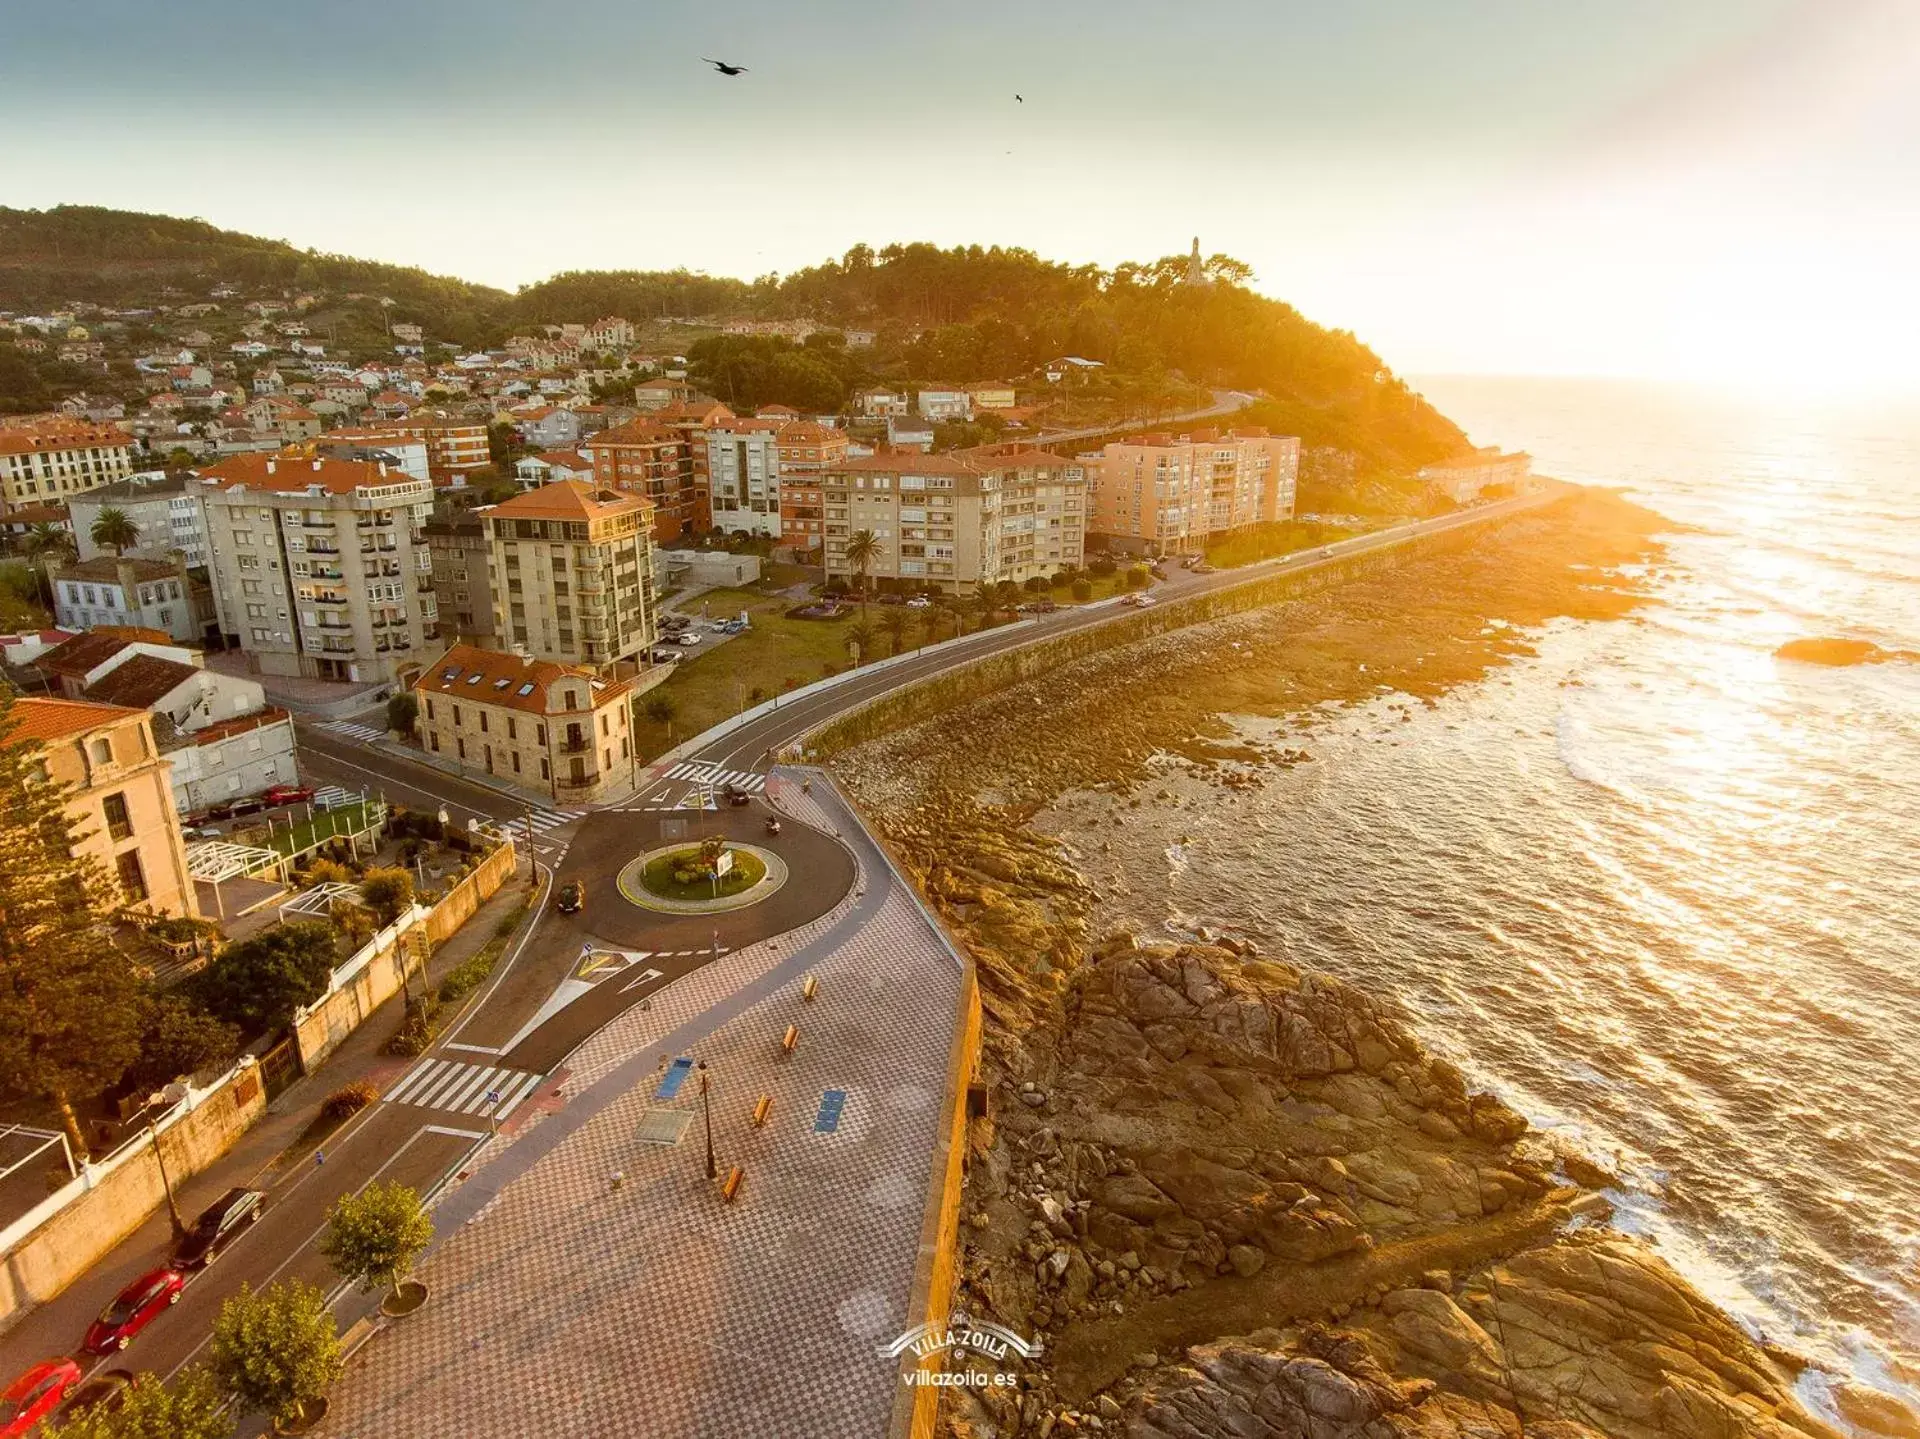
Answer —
(773, 826)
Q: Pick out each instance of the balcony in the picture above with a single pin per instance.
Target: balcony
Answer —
(584, 782)
(329, 599)
(322, 547)
(575, 746)
(330, 572)
(313, 524)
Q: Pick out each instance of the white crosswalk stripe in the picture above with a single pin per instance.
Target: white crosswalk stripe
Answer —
(363, 732)
(543, 820)
(331, 797)
(456, 1088)
(719, 778)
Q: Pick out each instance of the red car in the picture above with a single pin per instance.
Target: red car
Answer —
(138, 1305)
(287, 794)
(35, 1395)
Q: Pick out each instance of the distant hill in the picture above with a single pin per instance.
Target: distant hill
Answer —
(126, 259)
(962, 314)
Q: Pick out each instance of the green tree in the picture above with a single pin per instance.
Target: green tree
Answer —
(1083, 590)
(863, 548)
(375, 1236)
(389, 892)
(70, 998)
(859, 641)
(191, 1406)
(660, 709)
(402, 710)
(115, 530)
(276, 1350)
(895, 624)
(258, 983)
(178, 1038)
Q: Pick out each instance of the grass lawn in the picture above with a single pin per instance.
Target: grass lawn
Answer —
(306, 834)
(775, 655)
(658, 876)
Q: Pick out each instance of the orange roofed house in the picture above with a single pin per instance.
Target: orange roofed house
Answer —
(572, 572)
(118, 793)
(558, 730)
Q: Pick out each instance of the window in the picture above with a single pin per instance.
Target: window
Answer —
(101, 750)
(133, 879)
(483, 721)
(119, 822)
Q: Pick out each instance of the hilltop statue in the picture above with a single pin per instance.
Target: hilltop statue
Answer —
(1196, 270)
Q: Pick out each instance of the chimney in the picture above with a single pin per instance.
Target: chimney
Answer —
(269, 465)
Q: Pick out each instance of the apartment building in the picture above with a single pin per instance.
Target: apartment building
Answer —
(1160, 494)
(957, 522)
(118, 794)
(320, 567)
(163, 507)
(805, 452)
(49, 458)
(743, 477)
(560, 731)
(454, 446)
(644, 457)
(691, 419)
(572, 571)
(944, 402)
(137, 594)
(400, 452)
(462, 560)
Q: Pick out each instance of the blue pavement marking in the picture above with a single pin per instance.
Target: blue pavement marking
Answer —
(675, 1076)
(831, 1103)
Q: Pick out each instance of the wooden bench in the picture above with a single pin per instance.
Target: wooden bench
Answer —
(730, 1186)
(761, 1110)
(790, 1039)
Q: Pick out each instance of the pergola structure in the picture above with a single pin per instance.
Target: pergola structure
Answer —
(317, 903)
(217, 860)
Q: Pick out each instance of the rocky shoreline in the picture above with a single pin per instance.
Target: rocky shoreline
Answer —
(1233, 1197)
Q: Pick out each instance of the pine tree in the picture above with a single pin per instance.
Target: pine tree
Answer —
(70, 999)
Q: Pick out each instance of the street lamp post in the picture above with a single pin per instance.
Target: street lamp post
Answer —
(706, 1106)
(160, 1158)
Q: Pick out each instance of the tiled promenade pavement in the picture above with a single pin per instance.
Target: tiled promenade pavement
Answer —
(564, 1305)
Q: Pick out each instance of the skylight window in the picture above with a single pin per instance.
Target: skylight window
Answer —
(501, 684)
(474, 679)
(527, 688)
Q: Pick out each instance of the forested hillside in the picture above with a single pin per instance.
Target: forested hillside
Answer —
(958, 315)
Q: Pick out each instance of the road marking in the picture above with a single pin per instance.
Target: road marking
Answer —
(712, 773)
(365, 733)
(454, 1133)
(455, 1087)
(640, 979)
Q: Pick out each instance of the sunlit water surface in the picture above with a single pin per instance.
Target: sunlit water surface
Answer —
(1659, 888)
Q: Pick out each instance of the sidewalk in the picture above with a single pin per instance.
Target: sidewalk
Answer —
(265, 1155)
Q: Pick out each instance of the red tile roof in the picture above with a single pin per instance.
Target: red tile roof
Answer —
(567, 500)
(494, 677)
(40, 720)
(286, 474)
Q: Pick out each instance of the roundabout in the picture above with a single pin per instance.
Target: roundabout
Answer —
(677, 879)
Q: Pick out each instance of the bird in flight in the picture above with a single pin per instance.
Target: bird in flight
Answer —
(724, 68)
(1021, 98)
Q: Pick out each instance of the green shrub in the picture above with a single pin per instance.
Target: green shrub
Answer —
(1083, 590)
(417, 1030)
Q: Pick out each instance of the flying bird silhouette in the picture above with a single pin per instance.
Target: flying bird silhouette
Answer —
(1021, 98)
(724, 68)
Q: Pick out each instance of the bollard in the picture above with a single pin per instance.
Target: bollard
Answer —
(807, 989)
(616, 1179)
(730, 1186)
(761, 1110)
(791, 1038)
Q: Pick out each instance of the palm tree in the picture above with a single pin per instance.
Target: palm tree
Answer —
(895, 624)
(46, 542)
(115, 530)
(859, 638)
(862, 550)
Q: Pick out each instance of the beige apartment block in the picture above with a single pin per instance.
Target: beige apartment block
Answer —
(119, 794)
(557, 730)
(572, 570)
(320, 566)
(46, 458)
(1161, 494)
(959, 521)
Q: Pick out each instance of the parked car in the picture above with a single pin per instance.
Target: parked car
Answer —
(35, 1395)
(920, 602)
(890, 599)
(663, 656)
(137, 1306)
(1203, 568)
(288, 794)
(674, 622)
(573, 897)
(105, 1390)
(201, 831)
(252, 804)
(219, 1224)
(689, 639)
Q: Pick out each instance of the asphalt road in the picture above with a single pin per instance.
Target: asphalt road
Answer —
(515, 1039)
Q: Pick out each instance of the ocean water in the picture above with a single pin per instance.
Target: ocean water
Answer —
(1656, 886)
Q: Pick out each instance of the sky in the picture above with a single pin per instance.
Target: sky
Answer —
(1720, 190)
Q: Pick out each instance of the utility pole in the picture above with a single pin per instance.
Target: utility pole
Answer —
(160, 1158)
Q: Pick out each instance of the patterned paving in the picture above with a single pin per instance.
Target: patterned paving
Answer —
(570, 1304)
